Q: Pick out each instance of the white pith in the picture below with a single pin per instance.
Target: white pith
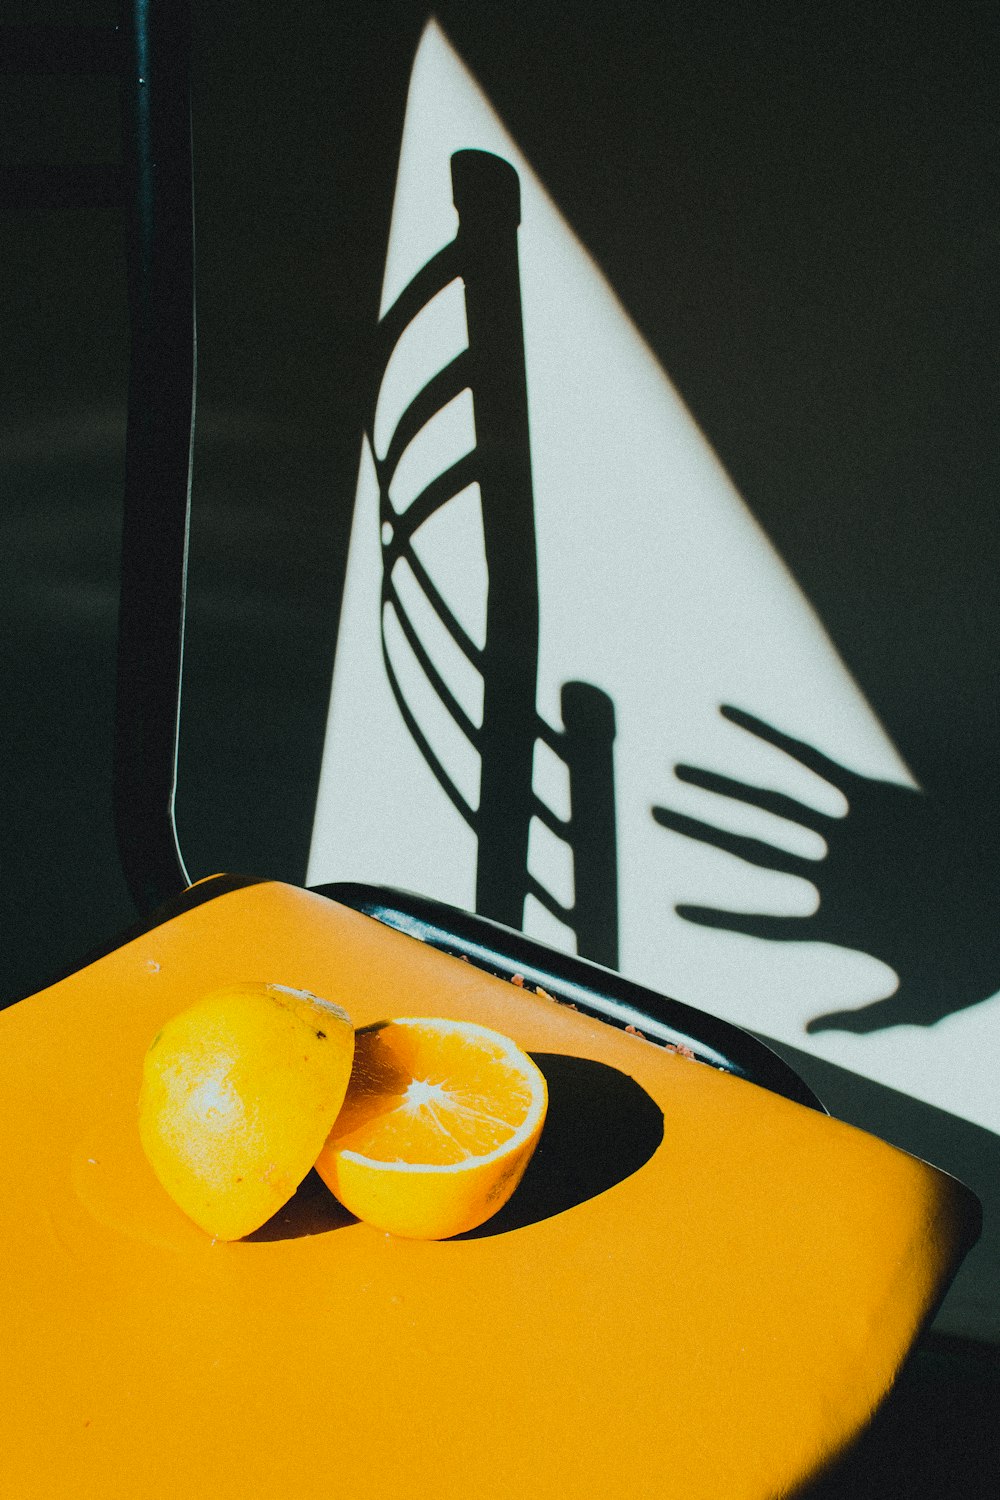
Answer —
(311, 999)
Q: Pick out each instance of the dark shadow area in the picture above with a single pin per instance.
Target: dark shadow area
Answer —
(936, 1438)
(601, 1127)
(910, 877)
(62, 891)
(312, 1209)
(297, 131)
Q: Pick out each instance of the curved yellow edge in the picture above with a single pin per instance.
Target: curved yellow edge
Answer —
(715, 1326)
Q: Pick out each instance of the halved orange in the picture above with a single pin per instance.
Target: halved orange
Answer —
(239, 1092)
(440, 1120)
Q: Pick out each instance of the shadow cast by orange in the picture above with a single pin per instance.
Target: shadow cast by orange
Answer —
(601, 1127)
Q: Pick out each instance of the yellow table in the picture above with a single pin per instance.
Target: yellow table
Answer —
(701, 1290)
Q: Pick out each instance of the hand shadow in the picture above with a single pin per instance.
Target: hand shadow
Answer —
(910, 878)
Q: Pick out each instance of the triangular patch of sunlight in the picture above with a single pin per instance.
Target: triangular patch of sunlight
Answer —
(657, 586)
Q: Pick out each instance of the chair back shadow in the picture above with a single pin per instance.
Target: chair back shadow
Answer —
(484, 257)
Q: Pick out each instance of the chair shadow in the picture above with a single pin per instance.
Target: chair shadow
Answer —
(601, 1127)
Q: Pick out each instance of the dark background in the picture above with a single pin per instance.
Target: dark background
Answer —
(797, 206)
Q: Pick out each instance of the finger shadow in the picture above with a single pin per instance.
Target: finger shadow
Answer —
(600, 1128)
(312, 1209)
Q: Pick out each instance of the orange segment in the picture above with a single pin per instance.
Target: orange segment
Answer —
(238, 1094)
(440, 1120)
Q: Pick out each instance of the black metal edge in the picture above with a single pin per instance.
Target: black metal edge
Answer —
(593, 989)
(156, 106)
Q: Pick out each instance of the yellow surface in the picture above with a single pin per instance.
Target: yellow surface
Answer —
(239, 1092)
(713, 1325)
(440, 1121)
